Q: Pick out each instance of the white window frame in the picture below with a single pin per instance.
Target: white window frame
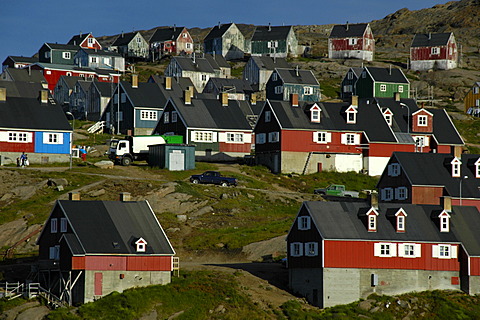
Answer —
(372, 222)
(260, 138)
(389, 119)
(141, 245)
(166, 117)
(274, 76)
(296, 249)
(311, 249)
(410, 250)
(63, 224)
(307, 91)
(383, 88)
(16, 136)
(385, 249)
(148, 115)
(268, 116)
(203, 136)
(401, 223)
(66, 55)
(174, 116)
(304, 223)
(53, 225)
(350, 138)
(188, 45)
(422, 121)
(444, 223)
(274, 137)
(315, 116)
(90, 40)
(234, 137)
(52, 138)
(352, 41)
(444, 251)
(400, 89)
(455, 170)
(435, 50)
(93, 59)
(322, 137)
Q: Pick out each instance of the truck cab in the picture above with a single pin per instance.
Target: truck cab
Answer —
(119, 152)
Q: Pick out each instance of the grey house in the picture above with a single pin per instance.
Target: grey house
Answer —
(258, 70)
(131, 45)
(63, 90)
(226, 40)
(99, 59)
(57, 53)
(278, 41)
(98, 97)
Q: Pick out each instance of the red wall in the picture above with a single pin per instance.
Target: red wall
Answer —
(424, 53)
(475, 266)
(386, 149)
(467, 202)
(123, 263)
(426, 195)
(302, 141)
(359, 254)
(18, 147)
(427, 128)
(235, 147)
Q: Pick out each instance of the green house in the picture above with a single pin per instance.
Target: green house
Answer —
(285, 82)
(278, 41)
(382, 83)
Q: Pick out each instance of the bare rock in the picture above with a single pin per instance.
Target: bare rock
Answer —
(25, 192)
(104, 164)
(220, 309)
(6, 196)
(97, 193)
(202, 211)
(224, 196)
(55, 182)
(366, 304)
(181, 217)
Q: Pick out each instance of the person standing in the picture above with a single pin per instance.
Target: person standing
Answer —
(23, 160)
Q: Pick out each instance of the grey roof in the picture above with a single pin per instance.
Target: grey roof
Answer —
(435, 169)
(58, 46)
(70, 81)
(85, 85)
(297, 76)
(179, 84)
(124, 39)
(333, 117)
(270, 63)
(233, 85)
(444, 130)
(217, 61)
(97, 225)
(166, 34)
(105, 88)
(217, 31)
(22, 59)
(431, 39)
(101, 52)
(78, 39)
(348, 30)
(200, 64)
(209, 113)
(394, 75)
(22, 89)
(44, 65)
(29, 113)
(146, 95)
(26, 75)
(266, 33)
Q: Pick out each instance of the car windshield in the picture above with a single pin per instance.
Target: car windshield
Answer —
(114, 144)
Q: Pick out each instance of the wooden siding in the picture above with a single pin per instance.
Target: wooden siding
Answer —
(155, 263)
(122, 263)
(475, 266)
(386, 149)
(266, 127)
(41, 147)
(428, 128)
(235, 147)
(360, 254)
(391, 89)
(471, 98)
(302, 141)
(426, 195)
(466, 202)
(17, 147)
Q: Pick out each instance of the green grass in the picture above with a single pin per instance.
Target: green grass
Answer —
(469, 129)
(193, 295)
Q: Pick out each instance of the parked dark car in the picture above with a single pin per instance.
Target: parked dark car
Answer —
(213, 177)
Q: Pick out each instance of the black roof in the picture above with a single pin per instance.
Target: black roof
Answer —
(435, 169)
(232, 85)
(430, 39)
(266, 33)
(348, 30)
(200, 64)
(218, 31)
(124, 39)
(29, 113)
(179, 84)
(269, 63)
(166, 34)
(22, 89)
(22, 59)
(394, 75)
(58, 46)
(297, 76)
(146, 95)
(217, 61)
(112, 227)
(369, 118)
(26, 75)
(78, 39)
(105, 88)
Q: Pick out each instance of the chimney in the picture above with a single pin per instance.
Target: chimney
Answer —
(253, 99)
(74, 196)
(294, 100)
(390, 70)
(191, 89)
(3, 94)
(347, 26)
(168, 83)
(134, 80)
(457, 151)
(43, 96)
(219, 25)
(125, 196)
(354, 101)
(446, 203)
(296, 71)
(397, 96)
(187, 97)
(224, 98)
(373, 197)
(174, 27)
(269, 26)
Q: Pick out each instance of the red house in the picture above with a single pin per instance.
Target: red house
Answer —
(89, 249)
(167, 41)
(87, 41)
(433, 51)
(342, 252)
(351, 41)
(426, 178)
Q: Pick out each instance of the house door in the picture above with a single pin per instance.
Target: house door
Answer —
(319, 167)
(177, 160)
(98, 284)
(276, 163)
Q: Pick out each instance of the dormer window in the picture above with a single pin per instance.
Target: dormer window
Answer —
(444, 221)
(372, 220)
(477, 168)
(388, 115)
(141, 245)
(315, 114)
(456, 167)
(351, 115)
(422, 121)
(400, 217)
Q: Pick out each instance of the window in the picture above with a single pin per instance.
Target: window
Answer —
(148, 115)
(54, 225)
(304, 223)
(189, 45)
(372, 222)
(123, 98)
(141, 245)
(421, 141)
(350, 75)
(273, 137)
(202, 136)
(315, 116)
(322, 137)
(274, 76)
(260, 138)
(435, 50)
(22, 137)
(444, 251)
(350, 138)
(278, 89)
(174, 116)
(476, 90)
(386, 194)
(311, 249)
(388, 118)
(69, 74)
(385, 250)
(268, 116)
(364, 74)
(47, 54)
(166, 117)
(66, 55)
(400, 89)
(401, 193)
(409, 250)
(204, 77)
(234, 137)
(352, 41)
(54, 253)
(184, 35)
(383, 87)
(90, 41)
(63, 225)
(400, 223)
(307, 91)
(394, 169)
(93, 59)
(456, 167)
(422, 121)
(139, 40)
(52, 138)
(296, 249)
(347, 88)
(444, 223)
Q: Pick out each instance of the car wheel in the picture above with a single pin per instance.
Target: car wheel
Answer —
(195, 181)
(224, 184)
(126, 161)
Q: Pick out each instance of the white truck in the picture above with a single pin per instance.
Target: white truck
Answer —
(125, 151)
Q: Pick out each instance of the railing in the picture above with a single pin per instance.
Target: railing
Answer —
(11, 290)
(97, 127)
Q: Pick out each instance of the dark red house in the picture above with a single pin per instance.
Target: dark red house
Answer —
(433, 51)
(349, 41)
(87, 41)
(167, 41)
(340, 252)
(89, 249)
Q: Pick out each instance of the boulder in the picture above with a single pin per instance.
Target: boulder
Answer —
(55, 182)
(104, 164)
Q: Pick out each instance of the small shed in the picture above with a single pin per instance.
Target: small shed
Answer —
(174, 156)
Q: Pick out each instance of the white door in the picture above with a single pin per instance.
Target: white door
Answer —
(177, 160)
